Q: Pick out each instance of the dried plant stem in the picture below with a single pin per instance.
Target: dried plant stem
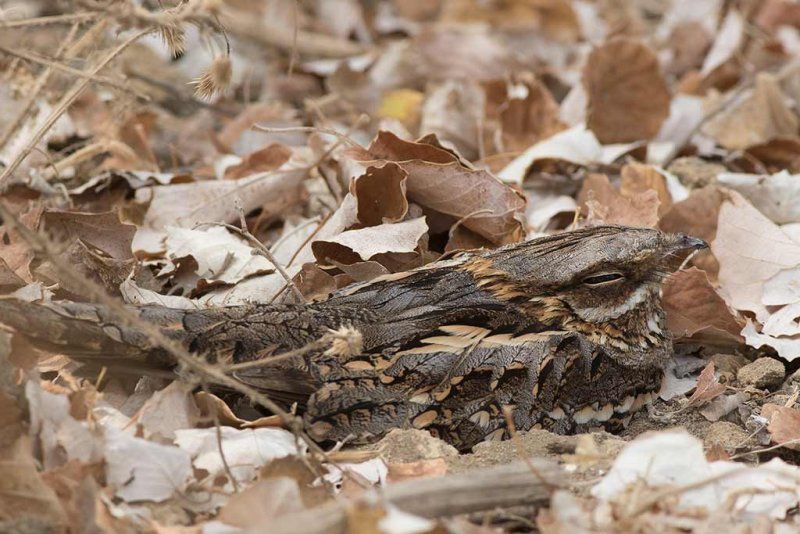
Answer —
(55, 169)
(310, 129)
(302, 42)
(270, 360)
(43, 21)
(69, 70)
(215, 416)
(41, 244)
(41, 81)
(68, 98)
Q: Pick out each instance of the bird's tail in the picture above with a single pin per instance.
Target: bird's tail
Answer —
(88, 332)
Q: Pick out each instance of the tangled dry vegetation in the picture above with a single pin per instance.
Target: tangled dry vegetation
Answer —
(200, 153)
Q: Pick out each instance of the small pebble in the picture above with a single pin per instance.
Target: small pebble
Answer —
(764, 373)
(727, 435)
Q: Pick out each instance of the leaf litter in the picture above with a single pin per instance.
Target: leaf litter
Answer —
(256, 148)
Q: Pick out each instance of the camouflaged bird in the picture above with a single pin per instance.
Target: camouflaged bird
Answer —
(567, 330)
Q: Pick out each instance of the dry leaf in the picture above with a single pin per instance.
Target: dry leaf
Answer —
(487, 206)
(438, 181)
(219, 255)
(722, 406)
(776, 196)
(694, 309)
(363, 244)
(726, 43)
(140, 470)
(628, 98)
(186, 205)
(270, 158)
(261, 503)
(779, 153)
(708, 388)
(381, 194)
(103, 231)
(751, 250)
(605, 205)
(519, 114)
(784, 424)
(453, 111)
(761, 115)
(576, 145)
(638, 178)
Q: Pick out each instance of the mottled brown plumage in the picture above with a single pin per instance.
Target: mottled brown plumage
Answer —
(568, 330)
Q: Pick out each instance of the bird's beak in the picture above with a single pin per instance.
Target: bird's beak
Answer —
(687, 242)
(680, 248)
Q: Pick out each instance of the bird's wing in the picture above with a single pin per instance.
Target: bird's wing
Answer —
(456, 384)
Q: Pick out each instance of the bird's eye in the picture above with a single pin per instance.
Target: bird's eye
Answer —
(603, 279)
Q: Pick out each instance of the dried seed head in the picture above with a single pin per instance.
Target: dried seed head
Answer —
(175, 38)
(346, 341)
(215, 79)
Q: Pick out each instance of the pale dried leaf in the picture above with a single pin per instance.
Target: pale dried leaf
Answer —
(362, 244)
(140, 470)
(751, 250)
(708, 387)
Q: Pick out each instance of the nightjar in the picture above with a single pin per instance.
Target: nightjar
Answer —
(566, 330)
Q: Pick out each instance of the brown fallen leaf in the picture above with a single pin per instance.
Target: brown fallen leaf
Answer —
(707, 389)
(760, 116)
(261, 503)
(605, 205)
(777, 154)
(437, 180)
(381, 194)
(269, 158)
(627, 97)
(487, 206)
(638, 178)
(784, 424)
(313, 282)
(775, 13)
(519, 113)
(695, 309)
(17, 254)
(461, 52)
(103, 231)
(553, 18)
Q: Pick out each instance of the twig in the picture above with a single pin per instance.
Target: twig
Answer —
(215, 417)
(55, 19)
(62, 106)
(270, 360)
(74, 72)
(311, 129)
(768, 449)
(480, 490)
(304, 43)
(41, 81)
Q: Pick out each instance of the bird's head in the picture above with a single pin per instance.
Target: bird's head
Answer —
(602, 280)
